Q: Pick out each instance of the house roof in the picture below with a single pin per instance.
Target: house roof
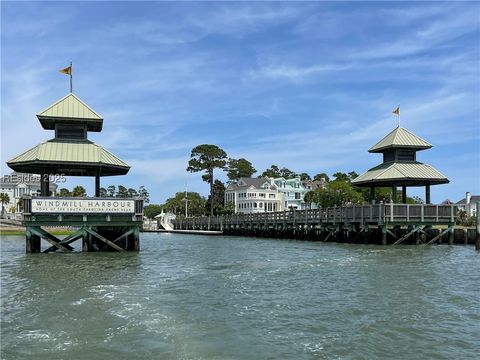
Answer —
(400, 138)
(69, 158)
(473, 199)
(409, 173)
(70, 109)
(256, 183)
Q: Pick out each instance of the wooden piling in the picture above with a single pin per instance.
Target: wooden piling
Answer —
(477, 240)
(33, 242)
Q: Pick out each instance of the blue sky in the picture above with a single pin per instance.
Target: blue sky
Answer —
(308, 86)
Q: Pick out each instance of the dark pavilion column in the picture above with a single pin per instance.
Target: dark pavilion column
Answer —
(97, 183)
(372, 193)
(427, 193)
(44, 184)
(394, 193)
(404, 194)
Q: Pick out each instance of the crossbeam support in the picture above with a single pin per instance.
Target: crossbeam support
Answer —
(104, 239)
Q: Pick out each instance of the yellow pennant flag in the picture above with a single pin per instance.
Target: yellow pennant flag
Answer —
(396, 111)
(67, 70)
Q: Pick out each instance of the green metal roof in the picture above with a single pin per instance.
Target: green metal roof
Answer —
(400, 138)
(409, 173)
(70, 109)
(82, 157)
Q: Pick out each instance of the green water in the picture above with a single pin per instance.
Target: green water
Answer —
(199, 297)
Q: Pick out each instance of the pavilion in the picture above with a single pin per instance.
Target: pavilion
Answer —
(69, 153)
(400, 166)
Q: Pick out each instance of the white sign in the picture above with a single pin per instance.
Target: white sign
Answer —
(65, 205)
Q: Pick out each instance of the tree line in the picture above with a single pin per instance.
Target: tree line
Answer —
(111, 191)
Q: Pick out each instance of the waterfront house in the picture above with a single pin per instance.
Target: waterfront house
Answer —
(254, 195)
(294, 192)
(469, 204)
(16, 185)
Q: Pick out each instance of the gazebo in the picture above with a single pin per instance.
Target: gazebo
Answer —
(102, 223)
(69, 153)
(400, 166)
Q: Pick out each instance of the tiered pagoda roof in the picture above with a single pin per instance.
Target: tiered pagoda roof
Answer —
(400, 167)
(70, 152)
(400, 138)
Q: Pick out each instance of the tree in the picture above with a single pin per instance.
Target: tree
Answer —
(132, 192)
(207, 158)
(144, 193)
(305, 177)
(340, 176)
(122, 192)
(176, 205)
(287, 173)
(239, 168)
(352, 175)
(309, 198)
(319, 177)
(337, 193)
(152, 210)
(272, 172)
(103, 192)
(79, 191)
(218, 199)
(111, 191)
(4, 199)
(63, 192)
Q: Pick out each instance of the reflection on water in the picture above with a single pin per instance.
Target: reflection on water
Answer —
(199, 297)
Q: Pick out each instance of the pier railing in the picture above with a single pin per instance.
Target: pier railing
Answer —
(362, 214)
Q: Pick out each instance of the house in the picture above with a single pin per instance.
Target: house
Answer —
(16, 185)
(469, 204)
(294, 192)
(313, 185)
(254, 195)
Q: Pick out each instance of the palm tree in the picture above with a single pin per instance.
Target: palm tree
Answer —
(4, 199)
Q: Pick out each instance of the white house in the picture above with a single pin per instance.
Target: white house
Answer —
(469, 204)
(254, 195)
(16, 185)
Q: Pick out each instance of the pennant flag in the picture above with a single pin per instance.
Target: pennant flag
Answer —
(67, 70)
(396, 111)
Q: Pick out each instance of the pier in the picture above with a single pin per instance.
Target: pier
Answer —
(386, 224)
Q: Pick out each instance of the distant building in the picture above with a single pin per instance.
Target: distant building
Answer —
(469, 204)
(294, 191)
(17, 185)
(313, 185)
(254, 195)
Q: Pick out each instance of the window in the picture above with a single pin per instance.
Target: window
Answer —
(260, 205)
(406, 155)
(255, 205)
(262, 195)
(297, 196)
(271, 196)
(70, 131)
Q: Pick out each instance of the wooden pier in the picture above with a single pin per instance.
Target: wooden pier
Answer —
(380, 224)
